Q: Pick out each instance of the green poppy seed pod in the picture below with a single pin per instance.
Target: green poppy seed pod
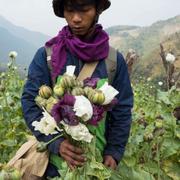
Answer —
(88, 90)
(159, 124)
(98, 97)
(50, 103)
(41, 102)
(11, 103)
(41, 147)
(95, 98)
(3, 75)
(81, 91)
(67, 81)
(45, 91)
(178, 135)
(101, 97)
(13, 54)
(91, 94)
(77, 91)
(63, 82)
(2, 88)
(58, 90)
(148, 137)
(78, 83)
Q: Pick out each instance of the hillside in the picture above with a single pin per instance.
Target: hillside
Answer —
(35, 38)
(142, 39)
(146, 40)
(152, 63)
(14, 38)
(9, 42)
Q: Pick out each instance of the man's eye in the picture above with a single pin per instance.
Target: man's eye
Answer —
(85, 9)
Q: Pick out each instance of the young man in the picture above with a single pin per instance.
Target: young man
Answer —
(81, 41)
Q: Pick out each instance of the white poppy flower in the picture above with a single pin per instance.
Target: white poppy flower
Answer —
(170, 58)
(70, 70)
(9, 64)
(13, 54)
(109, 93)
(3, 74)
(79, 132)
(15, 67)
(160, 83)
(46, 125)
(83, 108)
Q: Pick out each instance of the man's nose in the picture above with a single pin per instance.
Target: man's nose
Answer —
(77, 17)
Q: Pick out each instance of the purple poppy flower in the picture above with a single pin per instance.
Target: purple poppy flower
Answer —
(98, 114)
(91, 82)
(68, 115)
(109, 106)
(69, 99)
(55, 112)
(63, 110)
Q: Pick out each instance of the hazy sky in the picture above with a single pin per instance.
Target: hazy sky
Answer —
(38, 14)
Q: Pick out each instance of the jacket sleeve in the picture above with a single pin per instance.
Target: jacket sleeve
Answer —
(38, 75)
(119, 119)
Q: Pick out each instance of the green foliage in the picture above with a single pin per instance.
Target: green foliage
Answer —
(12, 128)
(153, 148)
(92, 169)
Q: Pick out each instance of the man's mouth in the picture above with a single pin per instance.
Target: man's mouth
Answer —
(77, 29)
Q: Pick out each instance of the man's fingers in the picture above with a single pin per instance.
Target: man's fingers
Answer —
(74, 149)
(107, 163)
(73, 162)
(113, 166)
(65, 145)
(110, 162)
(71, 166)
(71, 154)
(75, 156)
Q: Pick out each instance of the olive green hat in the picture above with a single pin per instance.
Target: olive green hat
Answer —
(59, 9)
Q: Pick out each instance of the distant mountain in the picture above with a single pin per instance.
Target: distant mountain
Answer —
(9, 42)
(24, 41)
(146, 40)
(35, 38)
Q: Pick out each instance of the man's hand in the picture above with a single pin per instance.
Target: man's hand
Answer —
(71, 154)
(110, 162)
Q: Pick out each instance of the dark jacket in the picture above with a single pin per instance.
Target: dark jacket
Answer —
(117, 127)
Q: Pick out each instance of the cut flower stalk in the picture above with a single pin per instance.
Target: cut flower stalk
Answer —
(42, 146)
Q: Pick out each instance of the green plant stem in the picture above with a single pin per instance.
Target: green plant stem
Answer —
(158, 161)
(55, 138)
(7, 105)
(168, 77)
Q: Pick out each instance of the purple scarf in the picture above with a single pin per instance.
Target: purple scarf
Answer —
(96, 48)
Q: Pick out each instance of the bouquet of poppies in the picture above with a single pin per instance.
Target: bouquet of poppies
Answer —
(73, 109)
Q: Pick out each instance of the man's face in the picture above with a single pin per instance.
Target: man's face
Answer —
(80, 20)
